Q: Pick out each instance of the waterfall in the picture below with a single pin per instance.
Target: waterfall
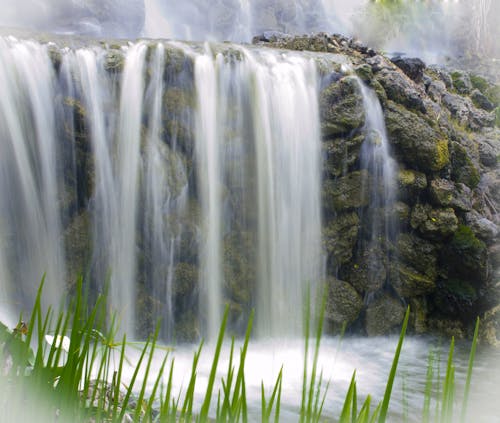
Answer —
(382, 189)
(30, 225)
(166, 177)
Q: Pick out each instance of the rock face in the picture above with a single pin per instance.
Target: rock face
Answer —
(443, 258)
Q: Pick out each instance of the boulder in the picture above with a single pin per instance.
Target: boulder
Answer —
(344, 304)
(408, 282)
(384, 316)
(413, 67)
(446, 193)
(348, 192)
(341, 108)
(401, 90)
(482, 227)
(481, 101)
(488, 142)
(411, 183)
(436, 90)
(419, 254)
(341, 154)
(416, 142)
(433, 224)
(367, 272)
(463, 168)
(461, 82)
(340, 236)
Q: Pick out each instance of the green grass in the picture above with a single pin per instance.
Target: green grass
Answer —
(84, 381)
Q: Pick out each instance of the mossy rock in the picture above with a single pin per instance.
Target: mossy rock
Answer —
(367, 272)
(384, 316)
(418, 253)
(446, 193)
(340, 236)
(185, 279)
(419, 315)
(341, 154)
(408, 282)
(417, 143)
(456, 298)
(114, 61)
(463, 168)
(343, 304)
(401, 89)
(461, 82)
(341, 108)
(434, 224)
(410, 184)
(466, 256)
(348, 192)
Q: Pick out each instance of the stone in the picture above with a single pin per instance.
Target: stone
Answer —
(433, 224)
(378, 63)
(413, 67)
(341, 154)
(482, 227)
(344, 304)
(488, 142)
(415, 141)
(463, 169)
(481, 101)
(367, 272)
(347, 192)
(408, 282)
(466, 256)
(489, 329)
(419, 254)
(401, 90)
(446, 193)
(341, 108)
(340, 236)
(436, 90)
(384, 316)
(411, 183)
(458, 106)
(461, 82)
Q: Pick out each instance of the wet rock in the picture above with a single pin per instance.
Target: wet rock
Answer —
(419, 254)
(378, 63)
(364, 72)
(416, 142)
(466, 256)
(419, 315)
(490, 327)
(340, 236)
(413, 67)
(479, 119)
(346, 192)
(341, 108)
(384, 316)
(344, 304)
(367, 273)
(114, 61)
(410, 184)
(433, 224)
(488, 142)
(341, 154)
(463, 169)
(447, 327)
(401, 89)
(446, 193)
(408, 282)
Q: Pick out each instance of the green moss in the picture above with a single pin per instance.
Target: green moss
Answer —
(462, 168)
(464, 240)
(442, 157)
(461, 289)
(493, 94)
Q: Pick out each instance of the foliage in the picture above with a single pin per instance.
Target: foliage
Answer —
(73, 368)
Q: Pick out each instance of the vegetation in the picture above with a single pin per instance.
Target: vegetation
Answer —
(77, 370)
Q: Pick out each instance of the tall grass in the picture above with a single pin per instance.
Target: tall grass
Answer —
(72, 362)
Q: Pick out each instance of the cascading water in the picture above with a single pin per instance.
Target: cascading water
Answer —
(381, 188)
(30, 223)
(255, 167)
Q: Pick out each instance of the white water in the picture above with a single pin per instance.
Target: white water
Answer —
(371, 358)
(382, 169)
(282, 129)
(30, 226)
